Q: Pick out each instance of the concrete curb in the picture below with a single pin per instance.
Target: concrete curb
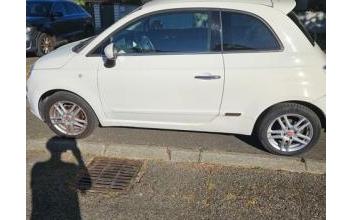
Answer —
(292, 164)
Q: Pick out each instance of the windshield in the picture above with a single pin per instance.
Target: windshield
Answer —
(38, 9)
(79, 47)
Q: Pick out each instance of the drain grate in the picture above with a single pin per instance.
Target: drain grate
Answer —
(109, 174)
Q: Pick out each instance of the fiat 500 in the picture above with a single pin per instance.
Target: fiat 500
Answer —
(244, 67)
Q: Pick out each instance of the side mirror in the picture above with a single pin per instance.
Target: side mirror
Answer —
(57, 14)
(110, 52)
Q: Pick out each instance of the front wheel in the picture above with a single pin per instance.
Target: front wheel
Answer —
(69, 115)
(289, 129)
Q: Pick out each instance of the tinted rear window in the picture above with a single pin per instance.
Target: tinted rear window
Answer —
(246, 32)
(295, 19)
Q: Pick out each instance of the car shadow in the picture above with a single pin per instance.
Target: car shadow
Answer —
(30, 54)
(252, 141)
(54, 182)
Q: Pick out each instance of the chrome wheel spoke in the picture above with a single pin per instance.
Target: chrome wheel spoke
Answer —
(56, 120)
(303, 126)
(58, 108)
(299, 123)
(305, 137)
(72, 108)
(79, 124)
(75, 113)
(80, 121)
(299, 140)
(277, 136)
(288, 124)
(281, 124)
(282, 144)
(276, 132)
(62, 107)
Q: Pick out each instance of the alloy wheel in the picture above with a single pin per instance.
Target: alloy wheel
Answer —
(68, 117)
(290, 132)
(46, 44)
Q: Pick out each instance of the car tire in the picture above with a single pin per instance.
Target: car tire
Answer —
(78, 122)
(298, 131)
(45, 44)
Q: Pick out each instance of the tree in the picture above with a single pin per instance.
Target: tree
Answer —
(80, 2)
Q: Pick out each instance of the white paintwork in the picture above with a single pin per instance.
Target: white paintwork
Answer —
(284, 5)
(167, 90)
(161, 92)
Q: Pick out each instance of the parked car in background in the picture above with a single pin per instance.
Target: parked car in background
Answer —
(165, 64)
(51, 23)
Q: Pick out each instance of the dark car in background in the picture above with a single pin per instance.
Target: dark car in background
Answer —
(51, 23)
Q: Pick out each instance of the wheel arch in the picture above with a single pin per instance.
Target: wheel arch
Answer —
(311, 106)
(51, 92)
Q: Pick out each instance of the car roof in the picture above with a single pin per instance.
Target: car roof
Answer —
(260, 2)
(285, 6)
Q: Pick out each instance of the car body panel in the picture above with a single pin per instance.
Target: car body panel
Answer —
(167, 89)
(253, 80)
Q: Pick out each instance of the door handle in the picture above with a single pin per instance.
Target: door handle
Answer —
(207, 76)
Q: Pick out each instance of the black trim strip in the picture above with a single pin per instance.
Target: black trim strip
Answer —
(231, 114)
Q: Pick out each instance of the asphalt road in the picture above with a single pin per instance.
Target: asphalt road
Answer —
(175, 191)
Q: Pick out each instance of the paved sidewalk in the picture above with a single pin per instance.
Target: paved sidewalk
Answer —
(178, 191)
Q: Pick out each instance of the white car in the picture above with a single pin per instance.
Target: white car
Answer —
(233, 66)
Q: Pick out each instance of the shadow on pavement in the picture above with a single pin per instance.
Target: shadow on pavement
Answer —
(251, 140)
(30, 54)
(53, 182)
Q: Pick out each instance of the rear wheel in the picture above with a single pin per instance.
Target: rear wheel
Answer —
(289, 129)
(45, 44)
(69, 115)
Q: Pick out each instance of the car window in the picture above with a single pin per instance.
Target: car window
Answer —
(69, 9)
(59, 7)
(246, 32)
(38, 9)
(78, 9)
(170, 32)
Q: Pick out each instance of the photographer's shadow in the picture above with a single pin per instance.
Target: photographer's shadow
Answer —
(54, 182)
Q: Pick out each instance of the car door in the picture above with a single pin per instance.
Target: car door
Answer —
(61, 25)
(255, 64)
(169, 69)
(75, 19)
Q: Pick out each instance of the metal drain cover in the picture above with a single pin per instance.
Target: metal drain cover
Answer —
(109, 174)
